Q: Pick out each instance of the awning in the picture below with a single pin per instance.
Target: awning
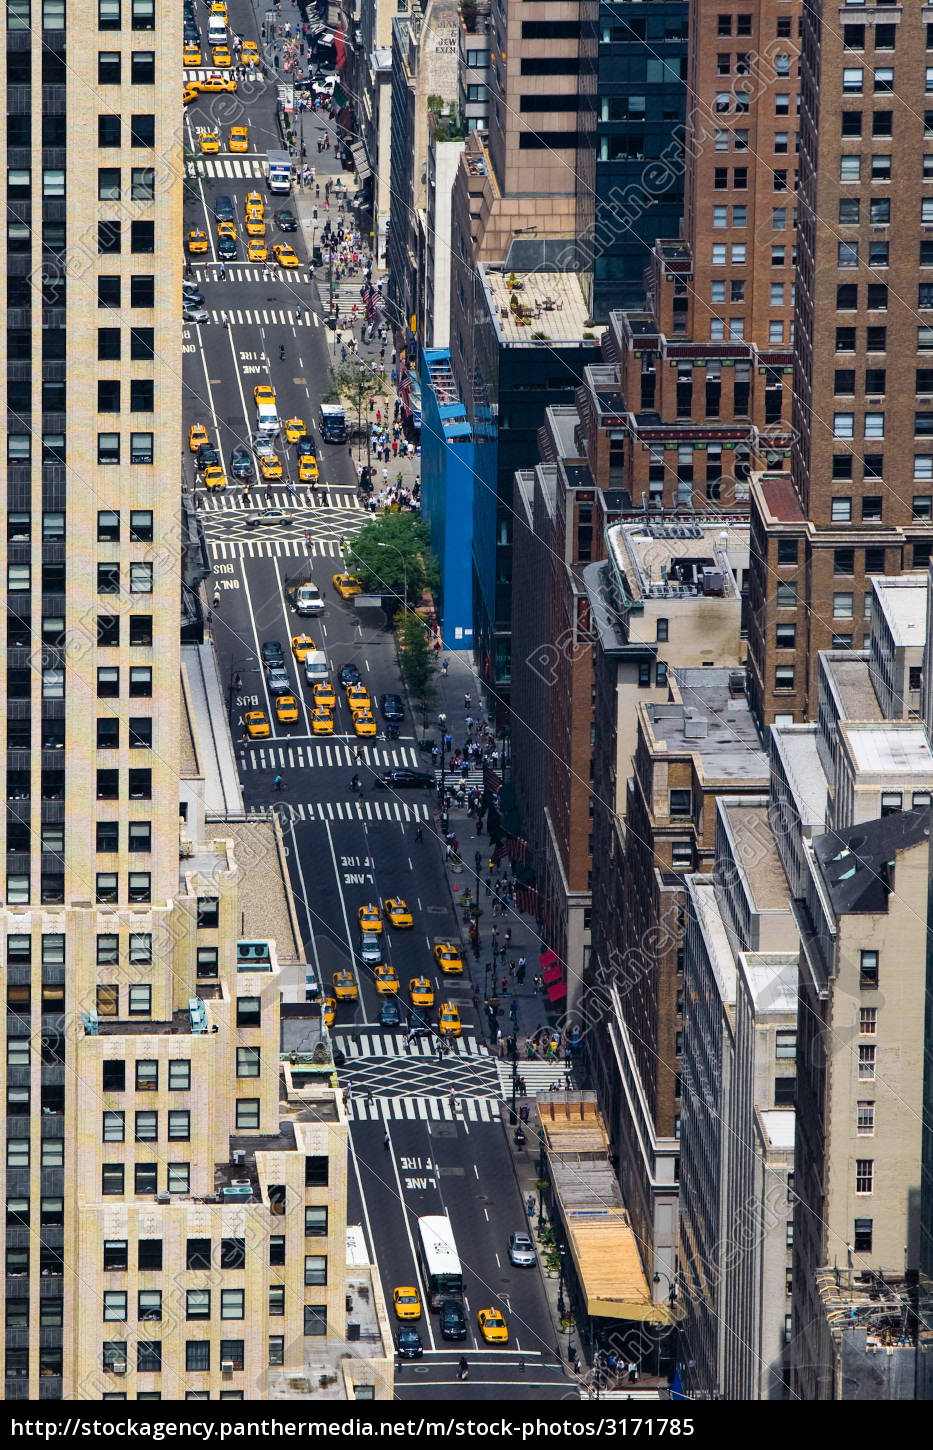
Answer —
(358, 152)
(557, 991)
(553, 973)
(546, 959)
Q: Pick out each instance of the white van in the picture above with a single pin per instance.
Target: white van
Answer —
(267, 420)
(315, 666)
(216, 30)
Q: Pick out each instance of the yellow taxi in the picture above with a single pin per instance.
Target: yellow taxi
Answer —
(238, 140)
(254, 226)
(364, 723)
(322, 723)
(492, 1326)
(197, 434)
(447, 957)
(227, 229)
(286, 709)
(257, 726)
(346, 585)
(358, 697)
(324, 697)
(301, 644)
(448, 1020)
(254, 202)
(256, 250)
(369, 918)
(407, 1302)
(330, 1011)
(216, 82)
(307, 468)
(191, 54)
(197, 241)
(345, 988)
(221, 56)
(421, 992)
(190, 93)
(397, 912)
(285, 256)
(214, 476)
(386, 979)
(270, 467)
(209, 142)
(219, 7)
(249, 53)
(262, 393)
(295, 429)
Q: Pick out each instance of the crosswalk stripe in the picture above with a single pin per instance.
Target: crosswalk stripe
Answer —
(474, 1109)
(333, 810)
(392, 1044)
(266, 315)
(231, 501)
(342, 757)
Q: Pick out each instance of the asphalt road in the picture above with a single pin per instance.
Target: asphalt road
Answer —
(447, 1148)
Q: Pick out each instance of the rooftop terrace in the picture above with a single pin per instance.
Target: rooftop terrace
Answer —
(523, 304)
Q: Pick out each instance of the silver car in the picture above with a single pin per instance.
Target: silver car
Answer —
(278, 681)
(370, 948)
(522, 1251)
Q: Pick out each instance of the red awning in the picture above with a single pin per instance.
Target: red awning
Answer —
(556, 991)
(553, 973)
(546, 958)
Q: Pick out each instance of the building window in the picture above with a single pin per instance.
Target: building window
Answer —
(247, 1061)
(198, 1304)
(862, 1236)
(147, 1127)
(842, 606)
(197, 1355)
(315, 1320)
(784, 677)
(785, 1044)
(111, 1179)
(179, 1074)
(113, 1127)
(865, 1119)
(864, 1175)
(868, 968)
(179, 1123)
(247, 1114)
(681, 855)
(232, 1303)
(841, 510)
(892, 801)
(315, 1269)
(276, 1301)
(680, 802)
(147, 1075)
(866, 1061)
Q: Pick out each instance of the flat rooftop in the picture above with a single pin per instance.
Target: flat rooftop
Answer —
(265, 899)
(796, 746)
(756, 855)
(779, 1124)
(850, 674)
(562, 420)
(903, 601)
(540, 302)
(206, 723)
(664, 560)
(892, 748)
(702, 893)
(780, 499)
(713, 724)
(772, 980)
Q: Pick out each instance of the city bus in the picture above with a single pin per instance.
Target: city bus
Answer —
(438, 1261)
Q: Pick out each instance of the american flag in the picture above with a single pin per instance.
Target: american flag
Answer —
(404, 392)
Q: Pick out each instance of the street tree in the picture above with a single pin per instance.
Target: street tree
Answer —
(392, 555)
(416, 657)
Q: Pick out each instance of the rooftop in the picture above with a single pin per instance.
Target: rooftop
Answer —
(702, 893)
(756, 854)
(903, 602)
(796, 745)
(849, 674)
(265, 898)
(878, 1303)
(207, 720)
(855, 863)
(562, 421)
(547, 303)
(779, 1124)
(712, 723)
(780, 499)
(893, 747)
(668, 560)
(772, 980)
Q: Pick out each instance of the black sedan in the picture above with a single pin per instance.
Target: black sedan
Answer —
(389, 1015)
(226, 249)
(272, 652)
(408, 1343)
(419, 779)
(286, 220)
(207, 455)
(241, 463)
(452, 1320)
(350, 675)
(392, 707)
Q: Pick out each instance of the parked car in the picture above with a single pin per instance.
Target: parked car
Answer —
(522, 1250)
(195, 314)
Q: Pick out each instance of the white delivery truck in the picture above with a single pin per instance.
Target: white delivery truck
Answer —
(216, 31)
(279, 172)
(267, 420)
(315, 667)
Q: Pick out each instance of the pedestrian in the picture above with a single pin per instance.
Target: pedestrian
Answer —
(632, 1372)
(419, 834)
(386, 1142)
(278, 782)
(216, 599)
(463, 1369)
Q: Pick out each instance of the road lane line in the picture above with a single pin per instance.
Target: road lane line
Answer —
(346, 922)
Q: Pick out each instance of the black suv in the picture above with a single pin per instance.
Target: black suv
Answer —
(286, 221)
(206, 455)
(226, 249)
(452, 1320)
(223, 209)
(350, 675)
(392, 707)
(272, 652)
(241, 463)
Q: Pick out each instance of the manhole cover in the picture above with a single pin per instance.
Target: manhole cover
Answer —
(442, 1130)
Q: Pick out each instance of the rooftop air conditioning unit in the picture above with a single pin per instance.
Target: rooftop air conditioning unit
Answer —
(238, 1156)
(240, 1183)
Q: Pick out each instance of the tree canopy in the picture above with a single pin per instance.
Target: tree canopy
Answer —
(393, 552)
(416, 656)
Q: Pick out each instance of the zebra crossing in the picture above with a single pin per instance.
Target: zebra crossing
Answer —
(271, 549)
(392, 1044)
(327, 755)
(404, 812)
(224, 168)
(537, 1076)
(280, 498)
(463, 1108)
(267, 316)
(253, 272)
(255, 73)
